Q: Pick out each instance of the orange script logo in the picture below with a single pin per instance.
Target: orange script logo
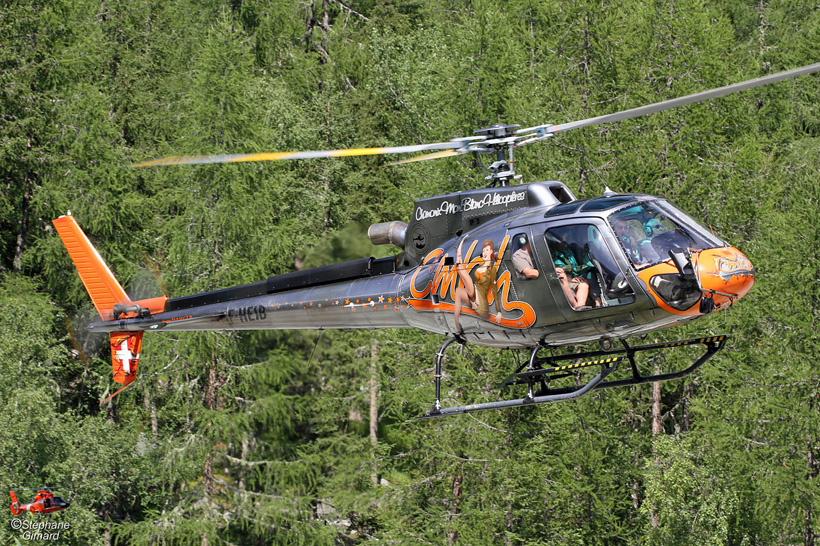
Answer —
(443, 284)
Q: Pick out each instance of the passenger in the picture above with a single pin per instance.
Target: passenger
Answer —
(571, 273)
(576, 290)
(653, 227)
(476, 294)
(522, 260)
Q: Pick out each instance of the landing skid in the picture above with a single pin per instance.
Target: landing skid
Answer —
(539, 371)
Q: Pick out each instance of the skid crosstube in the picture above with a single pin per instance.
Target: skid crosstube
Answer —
(540, 370)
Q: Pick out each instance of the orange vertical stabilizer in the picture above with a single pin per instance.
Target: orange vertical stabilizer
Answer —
(106, 292)
(100, 283)
(15, 506)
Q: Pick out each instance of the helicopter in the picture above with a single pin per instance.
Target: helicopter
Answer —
(44, 502)
(563, 272)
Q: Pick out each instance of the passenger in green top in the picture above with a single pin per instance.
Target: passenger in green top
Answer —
(571, 272)
(566, 259)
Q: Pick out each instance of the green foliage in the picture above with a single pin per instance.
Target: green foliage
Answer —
(689, 497)
(31, 352)
(264, 437)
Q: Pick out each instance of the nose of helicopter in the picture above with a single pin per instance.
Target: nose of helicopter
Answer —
(725, 273)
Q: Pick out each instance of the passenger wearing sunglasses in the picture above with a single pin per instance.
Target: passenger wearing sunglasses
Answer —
(653, 227)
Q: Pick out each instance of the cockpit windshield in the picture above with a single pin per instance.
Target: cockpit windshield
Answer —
(649, 230)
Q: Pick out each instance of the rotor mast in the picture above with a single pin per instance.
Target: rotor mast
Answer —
(500, 140)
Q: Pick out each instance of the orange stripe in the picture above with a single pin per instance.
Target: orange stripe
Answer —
(426, 305)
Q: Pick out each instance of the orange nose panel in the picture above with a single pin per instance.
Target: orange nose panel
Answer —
(726, 271)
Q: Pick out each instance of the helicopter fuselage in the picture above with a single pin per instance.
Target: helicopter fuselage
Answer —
(44, 502)
(666, 271)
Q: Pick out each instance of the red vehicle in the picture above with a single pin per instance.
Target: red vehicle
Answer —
(44, 502)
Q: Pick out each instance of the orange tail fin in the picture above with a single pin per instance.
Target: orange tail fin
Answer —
(100, 283)
(15, 506)
(106, 293)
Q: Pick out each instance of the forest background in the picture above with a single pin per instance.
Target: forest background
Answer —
(308, 438)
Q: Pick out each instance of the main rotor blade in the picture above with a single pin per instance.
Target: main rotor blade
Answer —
(425, 157)
(276, 156)
(682, 101)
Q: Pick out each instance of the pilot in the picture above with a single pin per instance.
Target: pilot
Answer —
(640, 251)
(522, 260)
(653, 227)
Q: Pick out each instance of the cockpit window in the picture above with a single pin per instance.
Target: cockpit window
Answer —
(691, 224)
(649, 230)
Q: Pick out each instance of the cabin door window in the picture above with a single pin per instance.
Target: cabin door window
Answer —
(587, 272)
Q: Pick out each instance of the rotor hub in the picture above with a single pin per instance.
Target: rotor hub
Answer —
(497, 130)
